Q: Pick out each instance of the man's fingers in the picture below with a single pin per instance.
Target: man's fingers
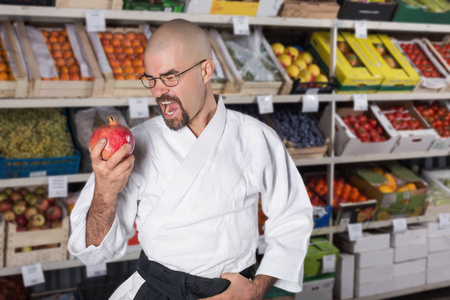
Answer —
(125, 166)
(96, 152)
(118, 155)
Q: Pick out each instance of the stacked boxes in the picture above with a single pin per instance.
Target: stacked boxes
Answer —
(438, 267)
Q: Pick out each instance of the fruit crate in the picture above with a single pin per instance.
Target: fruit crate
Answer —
(164, 5)
(89, 4)
(441, 113)
(44, 237)
(445, 61)
(17, 88)
(116, 84)
(322, 9)
(39, 62)
(242, 86)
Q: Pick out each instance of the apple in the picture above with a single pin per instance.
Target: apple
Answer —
(19, 207)
(3, 196)
(37, 220)
(31, 199)
(30, 211)
(9, 215)
(5, 205)
(21, 220)
(24, 191)
(41, 191)
(42, 204)
(15, 196)
(53, 213)
(8, 191)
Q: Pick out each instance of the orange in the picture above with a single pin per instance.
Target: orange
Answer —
(74, 69)
(74, 76)
(108, 48)
(120, 56)
(135, 43)
(117, 70)
(141, 37)
(411, 186)
(67, 54)
(64, 69)
(119, 76)
(138, 49)
(105, 41)
(130, 77)
(118, 35)
(54, 78)
(45, 79)
(56, 54)
(63, 32)
(99, 35)
(56, 46)
(2, 59)
(140, 56)
(118, 50)
(66, 46)
(52, 39)
(45, 33)
(128, 70)
(2, 67)
(60, 62)
(62, 39)
(139, 70)
(49, 47)
(128, 50)
(64, 76)
(130, 35)
(107, 35)
(11, 77)
(137, 63)
(125, 42)
(130, 56)
(110, 55)
(125, 62)
(3, 76)
(385, 189)
(114, 63)
(85, 78)
(70, 61)
(115, 42)
(54, 33)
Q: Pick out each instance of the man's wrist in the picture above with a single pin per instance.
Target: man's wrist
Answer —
(262, 284)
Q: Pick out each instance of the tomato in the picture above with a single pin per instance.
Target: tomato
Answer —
(373, 123)
(361, 118)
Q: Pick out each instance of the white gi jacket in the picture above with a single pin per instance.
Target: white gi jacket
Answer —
(198, 203)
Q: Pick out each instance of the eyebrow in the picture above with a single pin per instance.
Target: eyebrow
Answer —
(172, 71)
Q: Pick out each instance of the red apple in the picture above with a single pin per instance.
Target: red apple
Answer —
(30, 211)
(5, 205)
(21, 220)
(24, 191)
(15, 196)
(42, 204)
(53, 213)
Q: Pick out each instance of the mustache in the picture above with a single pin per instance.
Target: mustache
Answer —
(168, 98)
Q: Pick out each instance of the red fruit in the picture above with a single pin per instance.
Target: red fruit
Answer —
(390, 117)
(21, 220)
(53, 213)
(379, 130)
(361, 118)
(5, 205)
(413, 123)
(398, 115)
(373, 123)
(366, 126)
(116, 135)
(42, 204)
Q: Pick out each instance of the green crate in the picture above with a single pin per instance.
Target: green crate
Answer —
(318, 248)
(414, 14)
(161, 5)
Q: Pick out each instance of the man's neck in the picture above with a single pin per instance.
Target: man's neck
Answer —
(199, 123)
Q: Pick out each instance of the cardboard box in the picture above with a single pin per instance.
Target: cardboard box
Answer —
(384, 285)
(396, 204)
(317, 290)
(409, 281)
(345, 276)
(410, 267)
(372, 240)
(263, 8)
(410, 140)
(414, 235)
(438, 274)
(412, 252)
(324, 9)
(372, 11)
(374, 273)
(439, 244)
(436, 53)
(439, 259)
(374, 258)
(318, 248)
(435, 232)
(350, 79)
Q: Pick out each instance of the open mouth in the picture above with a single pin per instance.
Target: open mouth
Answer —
(169, 108)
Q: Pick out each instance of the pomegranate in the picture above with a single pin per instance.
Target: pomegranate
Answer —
(116, 135)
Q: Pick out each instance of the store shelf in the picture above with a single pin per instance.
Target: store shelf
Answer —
(32, 181)
(46, 14)
(390, 156)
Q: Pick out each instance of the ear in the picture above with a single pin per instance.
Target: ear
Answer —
(207, 70)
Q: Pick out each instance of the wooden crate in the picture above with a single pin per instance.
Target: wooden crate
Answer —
(97, 4)
(19, 87)
(313, 152)
(61, 88)
(254, 87)
(312, 10)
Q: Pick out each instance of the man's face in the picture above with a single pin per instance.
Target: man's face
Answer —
(181, 103)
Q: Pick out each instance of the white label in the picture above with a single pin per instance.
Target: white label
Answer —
(168, 9)
(32, 274)
(344, 222)
(240, 25)
(265, 104)
(57, 186)
(97, 270)
(354, 231)
(388, 200)
(262, 245)
(138, 108)
(361, 29)
(360, 102)
(310, 103)
(95, 20)
(38, 174)
(444, 220)
(328, 263)
(400, 225)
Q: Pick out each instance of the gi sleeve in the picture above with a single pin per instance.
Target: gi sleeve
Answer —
(288, 208)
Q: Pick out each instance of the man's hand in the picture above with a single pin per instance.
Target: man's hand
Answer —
(243, 289)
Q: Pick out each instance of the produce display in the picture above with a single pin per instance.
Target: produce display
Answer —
(444, 50)
(299, 64)
(125, 53)
(401, 119)
(393, 184)
(351, 57)
(420, 60)
(387, 56)
(315, 198)
(365, 128)
(34, 133)
(64, 60)
(438, 6)
(296, 127)
(436, 116)
(5, 68)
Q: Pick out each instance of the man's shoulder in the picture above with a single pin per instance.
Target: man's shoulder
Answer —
(248, 125)
(148, 127)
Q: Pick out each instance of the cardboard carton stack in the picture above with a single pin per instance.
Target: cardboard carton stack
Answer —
(438, 267)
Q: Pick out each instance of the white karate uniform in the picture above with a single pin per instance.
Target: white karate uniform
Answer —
(198, 197)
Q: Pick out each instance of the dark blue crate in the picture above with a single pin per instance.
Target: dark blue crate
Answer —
(21, 167)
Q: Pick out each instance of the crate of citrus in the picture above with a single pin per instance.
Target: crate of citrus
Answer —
(61, 61)
(13, 75)
(120, 55)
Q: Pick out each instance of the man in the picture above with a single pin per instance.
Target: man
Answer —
(197, 172)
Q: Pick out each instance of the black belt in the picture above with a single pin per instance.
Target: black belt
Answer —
(162, 283)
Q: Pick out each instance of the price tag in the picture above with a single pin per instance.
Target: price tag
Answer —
(240, 25)
(168, 9)
(38, 174)
(32, 274)
(95, 20)
(57, 186)
(138, 108)
(328, 263)
(310, 103)
(96, 270)
(444, 220)
(360, 102)
(262, 245)
(265, 104)
(361, 29)
(400, 225)
(354, 231)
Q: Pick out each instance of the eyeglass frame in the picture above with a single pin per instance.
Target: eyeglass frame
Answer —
(176, 76)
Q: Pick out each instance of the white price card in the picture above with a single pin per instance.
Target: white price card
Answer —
(310, 103)
(400, 225)
(328, 263)
(57, 186)
(138, 108)
(265, 104)
(354, 231)
(32, 274)
(96, 270)
(240, 25)
(262, 245)
(361, 29)
(360, 102)
(38, 174)
(444, 220)
(95, 20)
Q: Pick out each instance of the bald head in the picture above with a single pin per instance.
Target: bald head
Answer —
(184, 35)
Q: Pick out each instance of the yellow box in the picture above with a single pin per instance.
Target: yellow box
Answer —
(234, 7)
(350, 79)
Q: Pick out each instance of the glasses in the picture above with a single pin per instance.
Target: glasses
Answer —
(169, 80)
